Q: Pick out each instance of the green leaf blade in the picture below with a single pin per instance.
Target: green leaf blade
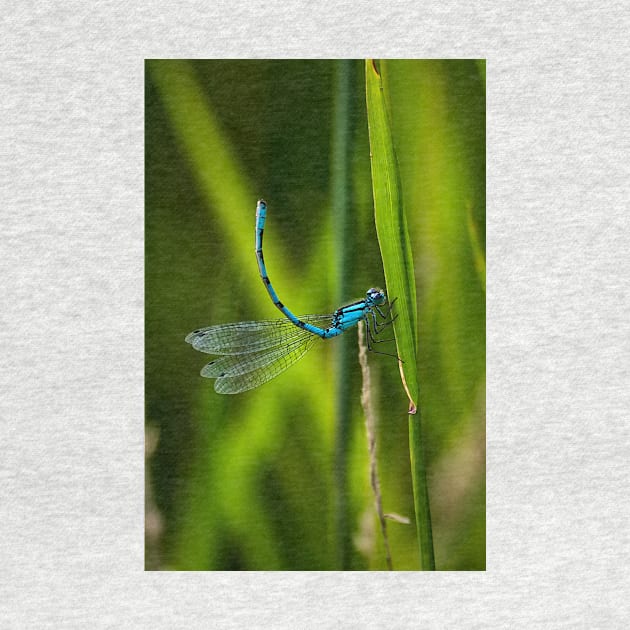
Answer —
(396, 252)
(392, 232)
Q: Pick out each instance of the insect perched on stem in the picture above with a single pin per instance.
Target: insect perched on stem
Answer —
(253, 353)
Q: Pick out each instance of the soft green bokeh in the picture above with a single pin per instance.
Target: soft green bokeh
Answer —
(249, 481)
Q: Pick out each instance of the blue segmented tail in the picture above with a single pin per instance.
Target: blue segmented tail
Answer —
(261, 217)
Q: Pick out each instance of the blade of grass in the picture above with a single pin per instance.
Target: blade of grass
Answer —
(395, 245)
(391, 229)
(340, 192)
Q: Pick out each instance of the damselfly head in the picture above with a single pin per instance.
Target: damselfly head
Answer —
(375, 296)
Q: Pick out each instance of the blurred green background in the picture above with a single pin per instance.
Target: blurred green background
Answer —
(267, 479)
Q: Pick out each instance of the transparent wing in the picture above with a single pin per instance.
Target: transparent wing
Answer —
(238, 373)
(246, 337)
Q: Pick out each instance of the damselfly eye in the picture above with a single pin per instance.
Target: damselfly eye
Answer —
(376, 295)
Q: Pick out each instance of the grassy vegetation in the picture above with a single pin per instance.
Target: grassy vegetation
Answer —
(277, 478)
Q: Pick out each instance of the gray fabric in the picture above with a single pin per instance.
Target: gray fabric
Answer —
(71, 164)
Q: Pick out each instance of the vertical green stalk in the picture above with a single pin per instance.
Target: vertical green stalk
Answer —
(395, 245)
(421, 493)
(340, 197)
